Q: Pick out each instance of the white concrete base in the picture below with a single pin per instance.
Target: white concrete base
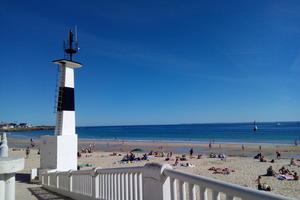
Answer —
(8, 167)
(59, 152)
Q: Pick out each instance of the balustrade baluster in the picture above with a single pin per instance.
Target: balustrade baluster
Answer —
(140, 186)
(215, 195)
(111, 186)
(126, 186)
(122, 192)
(130, 186)
(192, 192)
(229, 197)
(115, 187)
(173, 189)
(107, 186)
(203, 193)
(182, 190)
(135, 189)
(100, 186)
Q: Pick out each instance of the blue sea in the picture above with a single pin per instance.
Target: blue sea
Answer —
(268, 132)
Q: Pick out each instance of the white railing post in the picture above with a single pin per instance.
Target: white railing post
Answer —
(215, 195)
(70, 181)
(155, 184)
(48, 181)
(57, 180)
(95, 184)
(203, 193)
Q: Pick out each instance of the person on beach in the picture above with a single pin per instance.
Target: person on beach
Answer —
(270, 171)
(296, 177)
(262, 159)
(243, 148)
(258, 156)
(31, 142)
(293, 163)
(278, 155)
(260, 147)
(27, 152)
(191, 152)
(282, 170)
(209, 145)
(259, 184)
(176, 162)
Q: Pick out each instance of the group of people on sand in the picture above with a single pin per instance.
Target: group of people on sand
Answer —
(32, 145)
(86, 149)
(131, 157)
(284, 174)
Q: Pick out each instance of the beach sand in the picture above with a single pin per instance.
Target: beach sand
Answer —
(246, 168)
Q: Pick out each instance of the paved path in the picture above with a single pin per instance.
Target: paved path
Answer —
(28, 191)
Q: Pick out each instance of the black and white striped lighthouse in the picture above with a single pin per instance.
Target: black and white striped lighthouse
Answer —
(59, 152)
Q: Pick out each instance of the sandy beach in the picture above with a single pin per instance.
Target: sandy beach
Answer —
(246, 169)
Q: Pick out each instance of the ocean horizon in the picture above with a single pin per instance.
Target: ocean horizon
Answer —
(268, 132)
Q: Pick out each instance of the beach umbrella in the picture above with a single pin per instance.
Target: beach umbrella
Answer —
(137, 150)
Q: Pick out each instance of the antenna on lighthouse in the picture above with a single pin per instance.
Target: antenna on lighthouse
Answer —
(71, 45)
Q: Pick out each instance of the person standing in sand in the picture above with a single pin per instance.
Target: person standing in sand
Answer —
(27, 152)
(293, 163)
(278, 154)
(191, 152)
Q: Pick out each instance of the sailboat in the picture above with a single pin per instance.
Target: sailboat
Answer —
(255, 128)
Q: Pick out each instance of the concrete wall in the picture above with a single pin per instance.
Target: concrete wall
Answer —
(59, 152)
(48, 150)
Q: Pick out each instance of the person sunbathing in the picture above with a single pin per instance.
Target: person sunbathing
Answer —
(262, 159)
(282, 170)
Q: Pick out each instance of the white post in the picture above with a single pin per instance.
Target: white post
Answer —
(2, 187)
(155, 184)
(3, 146)
(70, 181)
(10, 186)
(96, 184)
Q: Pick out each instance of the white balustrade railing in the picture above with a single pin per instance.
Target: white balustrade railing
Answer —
(152, 181)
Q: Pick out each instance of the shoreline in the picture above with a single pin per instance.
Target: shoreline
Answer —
(171, 141)
(231, 149)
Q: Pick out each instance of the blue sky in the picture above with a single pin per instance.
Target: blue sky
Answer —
(153, 62)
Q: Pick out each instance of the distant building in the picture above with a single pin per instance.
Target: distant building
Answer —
(24, 125)
(6, 126)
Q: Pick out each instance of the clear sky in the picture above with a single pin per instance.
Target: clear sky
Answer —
(153, 62)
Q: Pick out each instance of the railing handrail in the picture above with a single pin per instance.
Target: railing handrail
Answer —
(134, 169)
(221, 186)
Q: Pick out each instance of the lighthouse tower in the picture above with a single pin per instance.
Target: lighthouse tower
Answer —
(59, 152)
